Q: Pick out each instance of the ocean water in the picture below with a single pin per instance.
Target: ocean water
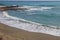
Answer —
(41, 12)
(45, 13)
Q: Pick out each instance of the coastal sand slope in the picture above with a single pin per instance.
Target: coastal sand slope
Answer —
(10, 33)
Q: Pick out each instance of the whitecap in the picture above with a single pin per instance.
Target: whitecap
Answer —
(33, 8)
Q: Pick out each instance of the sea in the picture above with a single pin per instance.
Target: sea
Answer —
(46, 13)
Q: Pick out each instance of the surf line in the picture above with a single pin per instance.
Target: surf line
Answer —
(33, 27)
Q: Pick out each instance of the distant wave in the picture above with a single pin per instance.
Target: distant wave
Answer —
(29, 26)
(49, 5)
(33, 8)
(41, 8)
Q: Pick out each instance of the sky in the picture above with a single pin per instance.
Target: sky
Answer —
(29, 0)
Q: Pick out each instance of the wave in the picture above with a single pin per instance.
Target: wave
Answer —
(33, 8)
(40, 9)
(48, 5)
(11, 17)
(29, 25)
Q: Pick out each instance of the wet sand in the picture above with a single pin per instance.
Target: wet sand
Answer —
(10, 33)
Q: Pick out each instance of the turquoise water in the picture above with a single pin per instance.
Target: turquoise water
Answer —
(42, 12)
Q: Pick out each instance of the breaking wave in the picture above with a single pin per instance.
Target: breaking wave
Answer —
(28, 25)
(33, 8)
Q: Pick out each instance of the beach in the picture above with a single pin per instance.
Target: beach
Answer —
(28, 25)
(37, 22)
(10, 30)
(10, 33)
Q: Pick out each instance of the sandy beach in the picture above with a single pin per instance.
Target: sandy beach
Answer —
(10, 33)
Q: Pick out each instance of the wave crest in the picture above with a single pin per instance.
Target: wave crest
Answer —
(33, 8)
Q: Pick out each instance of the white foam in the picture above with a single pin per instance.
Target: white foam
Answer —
(41, 8)
(28, 25)
(33, 8)
(47, 7)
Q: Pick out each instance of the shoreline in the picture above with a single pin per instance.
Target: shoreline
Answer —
(28, 26)
(11, 33)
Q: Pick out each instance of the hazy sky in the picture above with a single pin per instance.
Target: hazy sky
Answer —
(29, 0)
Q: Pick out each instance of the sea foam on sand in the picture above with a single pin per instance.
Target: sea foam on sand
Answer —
(28, 25)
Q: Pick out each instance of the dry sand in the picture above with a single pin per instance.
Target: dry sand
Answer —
(10, 33)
